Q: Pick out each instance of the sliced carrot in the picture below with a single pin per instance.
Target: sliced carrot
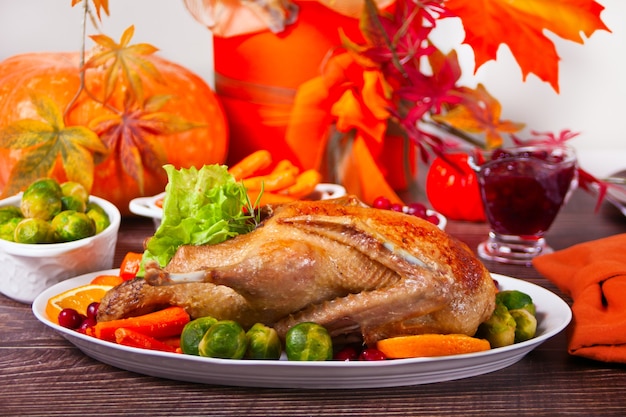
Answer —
(112, 280)
(130, 265)
(159, 324)
(430, 345)
(282, 176)
(305, 184)
(173, 341)
(251, 164)
(128, 337)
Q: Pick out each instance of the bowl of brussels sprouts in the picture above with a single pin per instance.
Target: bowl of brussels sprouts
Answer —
(51, 232)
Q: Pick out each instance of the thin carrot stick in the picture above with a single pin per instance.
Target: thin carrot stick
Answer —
(159, 324)
(251, 164)
(305, 184)
(282, 176)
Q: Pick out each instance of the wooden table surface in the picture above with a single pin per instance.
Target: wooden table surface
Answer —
(42, 374)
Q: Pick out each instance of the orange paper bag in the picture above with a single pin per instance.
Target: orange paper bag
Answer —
(594, 275)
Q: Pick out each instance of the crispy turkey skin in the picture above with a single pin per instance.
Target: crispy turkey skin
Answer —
(353, 269)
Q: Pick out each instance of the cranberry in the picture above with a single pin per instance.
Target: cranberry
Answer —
(381, 203)
(348, 353)
(87, 323)
(414, 209)
(371, 354)
(92, 310)
(417, 209)
(433, 219)
(70, 318)
(396, 207)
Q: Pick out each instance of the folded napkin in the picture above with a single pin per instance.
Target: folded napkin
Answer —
(593, 274)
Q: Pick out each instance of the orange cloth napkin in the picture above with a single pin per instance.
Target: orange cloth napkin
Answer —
(594, 275)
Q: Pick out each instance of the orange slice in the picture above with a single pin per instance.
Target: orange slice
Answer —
(77, 298)
(430, 345)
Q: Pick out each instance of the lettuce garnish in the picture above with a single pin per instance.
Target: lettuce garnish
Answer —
(201, 206)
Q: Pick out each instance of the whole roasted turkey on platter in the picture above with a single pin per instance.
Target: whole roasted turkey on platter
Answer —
(356, 270)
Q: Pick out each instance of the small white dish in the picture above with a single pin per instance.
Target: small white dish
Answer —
(149, 207)
(553, 315)
(28, 269)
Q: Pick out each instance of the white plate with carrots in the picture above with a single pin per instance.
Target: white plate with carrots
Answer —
(553, 315)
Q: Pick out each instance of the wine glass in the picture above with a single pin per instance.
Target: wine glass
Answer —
(523, 189)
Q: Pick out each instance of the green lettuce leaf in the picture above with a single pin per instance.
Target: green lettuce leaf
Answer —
(201, 206)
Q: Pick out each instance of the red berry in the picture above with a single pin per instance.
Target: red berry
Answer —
(417, 209)
(433, 219)
(396, 207)
(371, 354)
(92, 310)
(70, 318)
(381, 203)
(348, 353)
(87, 323)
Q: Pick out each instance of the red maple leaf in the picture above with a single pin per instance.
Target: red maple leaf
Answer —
(522, 26)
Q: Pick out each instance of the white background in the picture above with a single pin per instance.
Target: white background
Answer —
(592, 76)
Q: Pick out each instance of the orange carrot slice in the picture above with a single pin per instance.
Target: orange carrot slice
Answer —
(128, 337)
(305, 184)
(111, 280)
(430, 345)
(130, 265)
(282, 176)
(251, 164)
(159, 324)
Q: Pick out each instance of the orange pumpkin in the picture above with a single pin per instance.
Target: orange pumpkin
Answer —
(56, 75)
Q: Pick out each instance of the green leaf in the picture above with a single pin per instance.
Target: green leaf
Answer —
(35, 164)
(25, 133)
(201, 206)
(43, 143)
(126, 64)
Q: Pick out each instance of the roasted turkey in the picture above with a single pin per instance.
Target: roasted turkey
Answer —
(353, 269)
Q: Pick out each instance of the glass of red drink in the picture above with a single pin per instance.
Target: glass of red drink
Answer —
(523, 189)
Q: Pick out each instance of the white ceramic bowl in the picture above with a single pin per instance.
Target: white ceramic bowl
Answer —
(29, 269)
(147, 206)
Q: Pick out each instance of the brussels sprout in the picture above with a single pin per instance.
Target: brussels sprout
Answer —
(308, 341)
(71, 225)
(499, 329)
(42, 199)
(193, 332)
(225, 339)
(514, 299)
(7, 228)
(76, 190)
(99, 216)
(9, 212)
(263, 342)
(33, 230)
(526, 324)
(69, 202)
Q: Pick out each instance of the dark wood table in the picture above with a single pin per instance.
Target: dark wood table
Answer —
(42, 374)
